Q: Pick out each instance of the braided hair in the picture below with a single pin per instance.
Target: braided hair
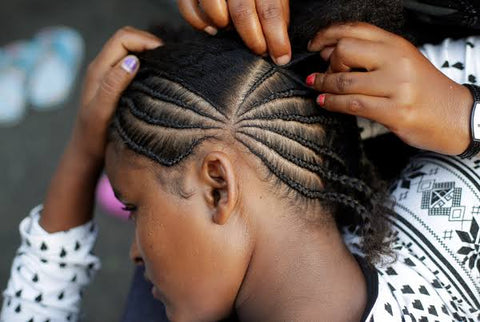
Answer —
(213, 88)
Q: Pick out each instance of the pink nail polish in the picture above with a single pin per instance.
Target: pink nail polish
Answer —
(311, 79)
(321, 99)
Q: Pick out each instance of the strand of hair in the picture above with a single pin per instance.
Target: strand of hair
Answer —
(314, 119)
(321, 150)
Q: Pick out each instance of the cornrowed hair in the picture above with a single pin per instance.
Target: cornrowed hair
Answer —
(212, 88)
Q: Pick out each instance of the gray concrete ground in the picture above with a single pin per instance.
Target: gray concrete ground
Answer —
(29, 151)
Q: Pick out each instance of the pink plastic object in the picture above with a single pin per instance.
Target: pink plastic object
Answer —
(107, 200)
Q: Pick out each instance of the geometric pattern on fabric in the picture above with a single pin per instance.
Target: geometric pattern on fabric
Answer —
(435, 275)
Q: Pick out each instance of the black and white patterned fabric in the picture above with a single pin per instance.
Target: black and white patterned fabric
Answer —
(457, 59)
(49, 273)
(436, 272)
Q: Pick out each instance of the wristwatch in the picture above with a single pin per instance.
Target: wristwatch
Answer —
(474, 147)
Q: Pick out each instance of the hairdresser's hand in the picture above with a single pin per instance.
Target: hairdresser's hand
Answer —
(400, 88)
(262, 24)
(70, 197)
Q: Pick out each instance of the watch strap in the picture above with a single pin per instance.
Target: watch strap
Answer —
(474, 146)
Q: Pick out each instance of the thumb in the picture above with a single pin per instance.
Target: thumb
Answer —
(116, 81)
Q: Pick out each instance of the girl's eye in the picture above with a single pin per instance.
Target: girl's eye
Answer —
(131, 211)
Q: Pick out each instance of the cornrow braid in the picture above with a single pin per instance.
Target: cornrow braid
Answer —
(184, 95)
(320, 150)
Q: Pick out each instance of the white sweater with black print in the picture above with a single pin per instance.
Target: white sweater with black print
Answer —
(436, 275)
(436, 272)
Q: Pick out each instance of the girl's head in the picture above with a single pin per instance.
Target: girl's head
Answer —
(214, 148)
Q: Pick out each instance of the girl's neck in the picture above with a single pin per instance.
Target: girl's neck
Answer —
(300, 274)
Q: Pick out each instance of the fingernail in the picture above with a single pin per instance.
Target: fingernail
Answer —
(311, 79)
(309, 45)
(130, 64)
(211, 30)
(282, 60)
(155, 45)
(321, 99)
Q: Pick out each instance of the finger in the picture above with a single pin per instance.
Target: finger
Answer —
(360, 30)
(352, 53)
(379, 109)
(194, 15)
(326, 52)
(217, 11)
(286, 11)
(275, 29)
(247, 23)
(369, 83)
(113, 85)
(125, 40)
(122, 42)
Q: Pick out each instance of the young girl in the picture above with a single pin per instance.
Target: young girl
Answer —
(246, 197)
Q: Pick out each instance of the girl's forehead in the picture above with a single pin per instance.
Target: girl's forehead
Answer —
(122, 157)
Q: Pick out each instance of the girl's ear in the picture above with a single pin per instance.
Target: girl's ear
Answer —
(218, 177)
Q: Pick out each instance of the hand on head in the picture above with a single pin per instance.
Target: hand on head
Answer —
(262, 24)
(107, 76)
(381, 76)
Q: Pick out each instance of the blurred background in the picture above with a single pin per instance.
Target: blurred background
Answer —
(29, 151)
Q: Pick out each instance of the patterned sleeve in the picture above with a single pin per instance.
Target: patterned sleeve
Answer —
(49, 272)
(457, 59)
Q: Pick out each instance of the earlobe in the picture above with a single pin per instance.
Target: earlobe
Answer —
(220, 185)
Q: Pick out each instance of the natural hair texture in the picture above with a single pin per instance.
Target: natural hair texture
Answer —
(214, 89)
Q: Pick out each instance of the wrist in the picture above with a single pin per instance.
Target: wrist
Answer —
(85, 150)
(452, 125)
(70, 197)
(464, 103)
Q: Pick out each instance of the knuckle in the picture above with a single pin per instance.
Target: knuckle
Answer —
(354, 105)
(406, 65)
(348, 26)
(110, 85)
(270, 11)
(123, 32)
(343, 83)
(342, 47)
(241, 12)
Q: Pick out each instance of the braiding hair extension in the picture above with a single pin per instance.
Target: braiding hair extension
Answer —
(212, 88)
